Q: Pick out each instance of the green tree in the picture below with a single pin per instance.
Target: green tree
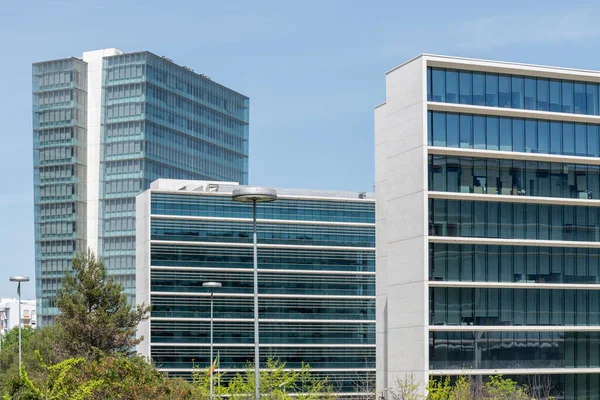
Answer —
(42, 340)
(499, 388)
(94, 312)
(117, 377)
(61, 382)
(439, 389)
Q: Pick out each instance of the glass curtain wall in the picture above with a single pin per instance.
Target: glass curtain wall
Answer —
(59, 153)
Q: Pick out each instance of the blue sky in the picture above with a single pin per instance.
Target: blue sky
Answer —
(313, 71)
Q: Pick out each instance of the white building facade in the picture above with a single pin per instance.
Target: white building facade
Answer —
(488, 227)
(9, 314)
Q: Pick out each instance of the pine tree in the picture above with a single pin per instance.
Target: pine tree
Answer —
(95, 316)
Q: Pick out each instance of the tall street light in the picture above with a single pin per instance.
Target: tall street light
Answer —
(212, 286)
(19, 279)
(249, 194)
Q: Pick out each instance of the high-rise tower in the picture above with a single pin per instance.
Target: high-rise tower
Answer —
(107, 125)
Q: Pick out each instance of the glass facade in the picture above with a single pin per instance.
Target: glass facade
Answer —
(462, 275)
(316, 282)
(524, 264)
(480, 132)
(161, 120)
(502, 307)
(497, 350)
(512, 91)
(490, 219)
(513, 177)
(158, 120)
(59, 158)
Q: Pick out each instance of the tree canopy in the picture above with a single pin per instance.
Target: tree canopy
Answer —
(95, 315)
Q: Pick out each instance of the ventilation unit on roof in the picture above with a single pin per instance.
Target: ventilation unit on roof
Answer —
(362, 195)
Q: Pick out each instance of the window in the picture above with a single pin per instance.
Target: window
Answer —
(567, 96)
(542, 94)
(478, 89)
(492, 137)
(491, 90)
(579, 96)
(517, 98)
(531, 136)
(505, 134)
(555, 138)
(580, 140)
(466, 87)
(504, 91)
(452, 130)
(466, 131)
(568, 139)
(530, 94)
(592, 140)
(479, 132)
(555, 95)
(438, 80)
(543, 137)
(439, 129)
(518, 130)
(592, 98)
(451, 86)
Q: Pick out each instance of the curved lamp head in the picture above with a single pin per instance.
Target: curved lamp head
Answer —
(249, 194)
(19, 278)
(212, 285)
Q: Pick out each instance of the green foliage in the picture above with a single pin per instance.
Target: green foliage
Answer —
(467, 388)
(86, 354)
(62, 381)
(95, 315)
(41, 340)
(406, 389)
(499, 388)
(107, 377)
(201, 383)
(276, 383)
(439, 389)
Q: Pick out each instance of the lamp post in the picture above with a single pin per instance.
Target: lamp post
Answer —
(249, 194)
(212, 286)
(19, 279)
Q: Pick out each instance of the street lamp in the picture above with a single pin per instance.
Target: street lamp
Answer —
(249, 194)
(19, 279)
(212, 286)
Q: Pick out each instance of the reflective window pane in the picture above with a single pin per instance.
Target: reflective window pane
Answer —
(451, 86)
(438, 83)
(542, 94)
(478, 89)
(466, 87)
(491, 90)
(504, 91)
(518, 95)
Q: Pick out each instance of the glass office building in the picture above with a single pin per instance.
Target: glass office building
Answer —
(316, 271)
(107, 125)
(488, 223)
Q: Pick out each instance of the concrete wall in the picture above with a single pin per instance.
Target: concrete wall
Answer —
(94, 131)
(142, 261)
(401, 212)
